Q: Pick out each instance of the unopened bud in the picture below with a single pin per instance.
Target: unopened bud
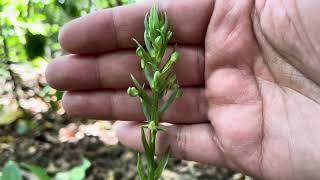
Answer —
(156, 78)
(158, 42)
(139, 52)
(142, 64)
(174, 56)
(132, 91)
(152, 126)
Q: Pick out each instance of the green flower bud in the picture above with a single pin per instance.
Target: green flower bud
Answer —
(133, 92)
(156, 79)
(158, 42)
(174, 56)
(156, 76)
(140, 51)
(142, 64)
(152, 126)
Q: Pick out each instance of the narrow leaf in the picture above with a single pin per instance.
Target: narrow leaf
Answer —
(140, 169)
(164, 45)
(173, 58)
(154, 17)
(145, 143)
(148, 44)
(162, 165)
(147, 73)
(161, 18)
(167, 83)
(161, 129)
(37, 171)
(142, 93)
(165, 106)
(145, 109)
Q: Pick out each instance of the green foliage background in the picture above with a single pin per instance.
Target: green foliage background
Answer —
(28, 40)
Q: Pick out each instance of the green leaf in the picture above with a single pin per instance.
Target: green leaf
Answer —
(145, 144)
(76, 173)
(148, 44)
(147, 73)
(164, 46)
(11, 171)
(162, 165)
(37, 171)
(172, 97)
(168, 82)
(140, 169)
(145, 109)
(154, 18)
(173, 58)
(142, 93)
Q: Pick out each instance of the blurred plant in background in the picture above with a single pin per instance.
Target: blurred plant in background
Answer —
(29, 39)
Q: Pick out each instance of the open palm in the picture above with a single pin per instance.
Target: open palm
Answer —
(249, 71)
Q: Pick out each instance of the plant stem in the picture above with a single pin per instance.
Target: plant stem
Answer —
(152, 143)
(157, 35)
(153, 132)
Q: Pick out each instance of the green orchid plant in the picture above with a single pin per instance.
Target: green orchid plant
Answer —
(161, 80)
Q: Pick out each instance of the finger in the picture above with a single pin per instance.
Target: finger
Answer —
(190, 142)
(114, 28)
(113, 70)
(114, 105)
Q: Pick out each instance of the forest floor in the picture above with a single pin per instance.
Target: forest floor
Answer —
(57, 147)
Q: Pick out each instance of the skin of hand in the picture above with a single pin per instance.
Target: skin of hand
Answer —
(250, 72)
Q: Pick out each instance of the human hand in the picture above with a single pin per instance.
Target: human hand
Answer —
(249, 71)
